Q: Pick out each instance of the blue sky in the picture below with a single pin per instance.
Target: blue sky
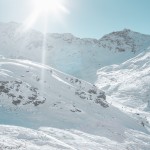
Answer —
(87, 18)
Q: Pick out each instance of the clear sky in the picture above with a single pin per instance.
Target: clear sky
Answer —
(85, 18)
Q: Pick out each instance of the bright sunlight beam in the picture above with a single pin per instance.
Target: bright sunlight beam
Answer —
(50, 6)
(52, 9)
(45, 10)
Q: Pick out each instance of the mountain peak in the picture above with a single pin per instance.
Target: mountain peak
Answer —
(125, 40)
(68, 53)
(126, 30)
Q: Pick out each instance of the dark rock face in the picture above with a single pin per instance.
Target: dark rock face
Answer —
(92, 93)
(121, 39)
(98, 98)
(21, 93)
(16, 92)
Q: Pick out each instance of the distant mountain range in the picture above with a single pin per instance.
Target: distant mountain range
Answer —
(70, 54)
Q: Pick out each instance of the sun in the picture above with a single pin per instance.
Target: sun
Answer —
(49, 6)
(49, 9)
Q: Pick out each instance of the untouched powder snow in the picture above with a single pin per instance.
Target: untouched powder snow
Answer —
(58, 111)
(70, 54)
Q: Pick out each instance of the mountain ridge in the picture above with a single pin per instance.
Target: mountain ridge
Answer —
(70, 54)
(41, 107)
(44, 108)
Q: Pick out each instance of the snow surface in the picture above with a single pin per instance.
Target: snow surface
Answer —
(19, 138)
(58, 111)
(43, 108)
(127, 86)
(70, 54)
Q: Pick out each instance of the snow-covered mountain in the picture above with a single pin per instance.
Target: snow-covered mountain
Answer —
(43, 108)
(130, 81)
(70, 54)
(125, 40)
(127, 86)
(61, 112)
(26, 85)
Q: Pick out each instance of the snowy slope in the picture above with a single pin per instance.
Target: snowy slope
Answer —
(61, 112)
(130, 81)
(70, 54)
(26, 85)
(19, 138)
(128, 86)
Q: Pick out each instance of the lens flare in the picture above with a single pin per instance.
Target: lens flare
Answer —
(50, 6)
(52, 9)
(45, 10)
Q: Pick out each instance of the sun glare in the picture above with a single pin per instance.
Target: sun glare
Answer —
(49, 6)
(50, 9)
(44, 11)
